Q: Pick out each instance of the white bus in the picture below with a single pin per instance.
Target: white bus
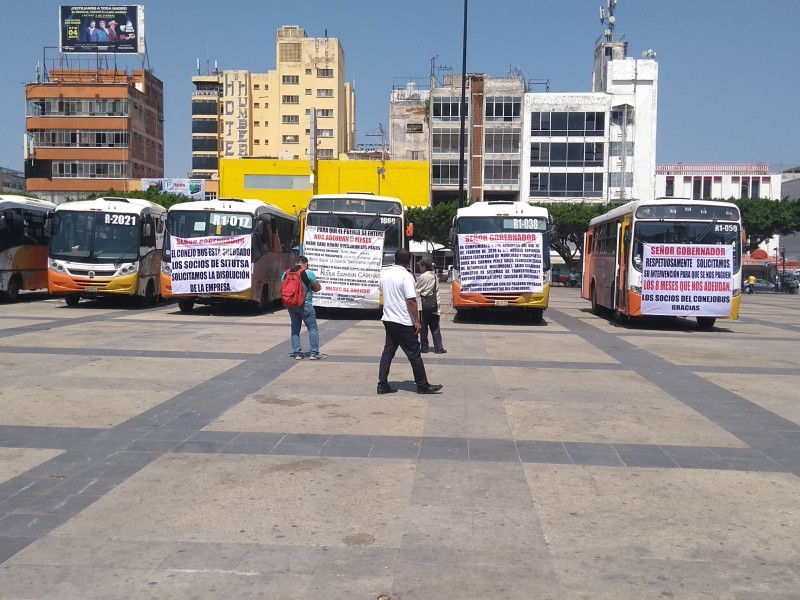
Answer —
(668, 257)
(24, 239)
(501, 259)
(197, 267)
(106, 247)
(348, 266)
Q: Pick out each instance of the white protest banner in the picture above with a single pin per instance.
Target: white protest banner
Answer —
(209, 265)
(496, 263)
(347, 263)
(682, 280)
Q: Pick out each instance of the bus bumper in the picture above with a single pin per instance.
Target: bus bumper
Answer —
(635, 305)
(512, 301)
(60, 283)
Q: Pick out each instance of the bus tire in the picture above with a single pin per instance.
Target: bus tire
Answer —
(186, 304)
(150, 295)
(706, 322)
(72, 299)
(535, 315)
(11, 294)
(263, 303)
(595, 305)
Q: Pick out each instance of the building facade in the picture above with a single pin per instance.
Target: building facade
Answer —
(237, 114)
(597, 146)
(92, 130)
(11, 180)
(717, 181)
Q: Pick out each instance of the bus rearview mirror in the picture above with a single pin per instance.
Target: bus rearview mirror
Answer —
(410, 230)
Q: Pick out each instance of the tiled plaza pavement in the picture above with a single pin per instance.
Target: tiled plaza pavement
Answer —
(152, 454)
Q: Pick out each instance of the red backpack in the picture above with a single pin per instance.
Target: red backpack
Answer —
(293, 292)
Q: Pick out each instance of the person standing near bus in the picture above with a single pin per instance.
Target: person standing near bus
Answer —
(428, 287)
(305, 313)
(401, 322)
(751, 284)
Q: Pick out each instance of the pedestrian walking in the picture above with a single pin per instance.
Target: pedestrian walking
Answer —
(430, 308)
(402, 325)
(751, 284)
(302, 310)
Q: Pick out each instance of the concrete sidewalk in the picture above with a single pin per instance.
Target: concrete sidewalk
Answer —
(153, 454)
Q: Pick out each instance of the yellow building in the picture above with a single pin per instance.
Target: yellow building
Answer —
(288, 183)
(238, 114)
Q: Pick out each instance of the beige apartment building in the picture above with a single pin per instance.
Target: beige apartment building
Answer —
(238, 114)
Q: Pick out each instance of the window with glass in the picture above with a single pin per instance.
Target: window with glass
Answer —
(444, 172)
(94, 107)
(290, 119)
(63, 138)
(98, 237)
(566, 185)
(325, 133)
(503, 108)
(205, 126)
(324, 153)
(290, 79)
(576, 124)
(414, 128)
(616, 179)
(287, 99)
(204, 108)
(502, 141)
(447, 109)
(291, 139)
(687, 233)
(80, 169)
(616, 149)
(204, 144)
(325, 113)
(564, 154)
(324, 72)
(501, 172)
(446, 141)
(324, 93)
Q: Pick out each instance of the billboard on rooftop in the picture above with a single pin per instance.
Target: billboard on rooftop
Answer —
(101, 29)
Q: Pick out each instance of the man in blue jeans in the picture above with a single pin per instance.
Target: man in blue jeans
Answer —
(401, 322)
(305, 314)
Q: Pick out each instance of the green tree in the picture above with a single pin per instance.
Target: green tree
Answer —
(432, 224)
(763, 218)
(151, 194)
(570, 221)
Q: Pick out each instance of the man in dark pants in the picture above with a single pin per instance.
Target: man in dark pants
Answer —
(401, 321)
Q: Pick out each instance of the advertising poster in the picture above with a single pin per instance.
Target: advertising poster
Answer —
(680, 280)
(101, 29)
(497, 263)
(347, 263)
(191, 188)
(210, 265)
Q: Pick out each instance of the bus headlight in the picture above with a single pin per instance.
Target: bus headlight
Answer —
(166, 268)
(636, 289)
(57, 266)
(737, 292)
(128, 269)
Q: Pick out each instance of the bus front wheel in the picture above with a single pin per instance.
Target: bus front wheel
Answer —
(595, 305)
(186, 305)
(706, 322)
(535, 315)
(12, 293)
(263, 303)
(72, 299)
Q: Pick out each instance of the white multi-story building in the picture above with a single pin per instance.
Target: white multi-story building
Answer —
(717, 181)
(598, 146)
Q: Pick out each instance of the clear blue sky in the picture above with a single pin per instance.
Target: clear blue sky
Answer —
(728, 89)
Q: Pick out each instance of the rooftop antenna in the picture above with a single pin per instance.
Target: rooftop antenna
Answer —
(607, 18)
(198, 65)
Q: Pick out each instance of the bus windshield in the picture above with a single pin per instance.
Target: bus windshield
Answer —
(390, 225)
(500, 224)
(95, 237)
(685, 232)
(192, 224)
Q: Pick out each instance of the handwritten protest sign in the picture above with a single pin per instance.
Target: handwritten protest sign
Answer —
(681, 280)
(492, 263)
(347, 263)
(208, 265)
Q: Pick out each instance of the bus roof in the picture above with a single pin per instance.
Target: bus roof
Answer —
(113, 204)
(631, 207)
(497, 208)
(14, 201)
(245, 205)
(358, 196)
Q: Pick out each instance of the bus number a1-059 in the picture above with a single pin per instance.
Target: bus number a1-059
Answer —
(120, 219)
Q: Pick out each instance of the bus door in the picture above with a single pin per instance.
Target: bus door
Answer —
(622, 283)
(617, 269)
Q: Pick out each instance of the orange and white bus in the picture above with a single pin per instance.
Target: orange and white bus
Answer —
(665, 257)
(24, 239)
(501, 259)
(227, 250)
(106, 247)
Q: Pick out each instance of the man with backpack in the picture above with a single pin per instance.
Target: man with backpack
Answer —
(298, 285)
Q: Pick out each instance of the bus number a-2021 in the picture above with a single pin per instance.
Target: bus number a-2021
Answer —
(120, 219)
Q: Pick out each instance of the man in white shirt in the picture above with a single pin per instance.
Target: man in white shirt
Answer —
(401, 321)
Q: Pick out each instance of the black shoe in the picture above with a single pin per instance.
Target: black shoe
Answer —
(431, 389)
(386, 389)
(442, 351)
